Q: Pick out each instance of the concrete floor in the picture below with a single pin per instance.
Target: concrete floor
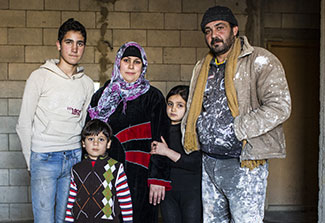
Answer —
(290, 217)
(270, 217)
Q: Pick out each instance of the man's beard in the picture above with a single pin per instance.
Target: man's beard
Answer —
(223, 46)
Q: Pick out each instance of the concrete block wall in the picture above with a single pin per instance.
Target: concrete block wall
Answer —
(169, 30)
(292, 20)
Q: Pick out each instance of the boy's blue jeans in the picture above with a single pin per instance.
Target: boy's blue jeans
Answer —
(50, 183)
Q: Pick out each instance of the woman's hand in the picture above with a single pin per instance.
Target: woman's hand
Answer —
(160, 148)
(156, 194)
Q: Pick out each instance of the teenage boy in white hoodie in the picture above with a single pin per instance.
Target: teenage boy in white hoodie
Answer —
(52, 115)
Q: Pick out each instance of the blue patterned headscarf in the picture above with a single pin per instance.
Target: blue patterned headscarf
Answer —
(118, 90)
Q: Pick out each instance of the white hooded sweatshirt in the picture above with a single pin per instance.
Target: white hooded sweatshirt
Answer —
(53, 110)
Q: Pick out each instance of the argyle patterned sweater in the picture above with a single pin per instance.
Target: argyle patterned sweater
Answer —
(99, 193)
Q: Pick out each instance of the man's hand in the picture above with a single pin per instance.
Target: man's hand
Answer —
(156, 194)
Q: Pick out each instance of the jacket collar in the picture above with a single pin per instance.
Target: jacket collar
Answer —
(247, 49)
(51, 65)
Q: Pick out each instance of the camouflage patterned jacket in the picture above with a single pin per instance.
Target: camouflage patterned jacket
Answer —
(264, 102)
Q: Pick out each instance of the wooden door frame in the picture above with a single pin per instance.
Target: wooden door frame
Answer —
(321, 163)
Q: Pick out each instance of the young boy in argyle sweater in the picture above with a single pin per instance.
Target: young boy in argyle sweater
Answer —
(99, 191)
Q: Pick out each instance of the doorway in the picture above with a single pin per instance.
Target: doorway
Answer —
(293, 182)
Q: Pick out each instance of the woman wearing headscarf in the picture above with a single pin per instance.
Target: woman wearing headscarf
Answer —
(136, 112)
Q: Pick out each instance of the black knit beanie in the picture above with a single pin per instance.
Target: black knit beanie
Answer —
(132, 51)
(218, 13)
